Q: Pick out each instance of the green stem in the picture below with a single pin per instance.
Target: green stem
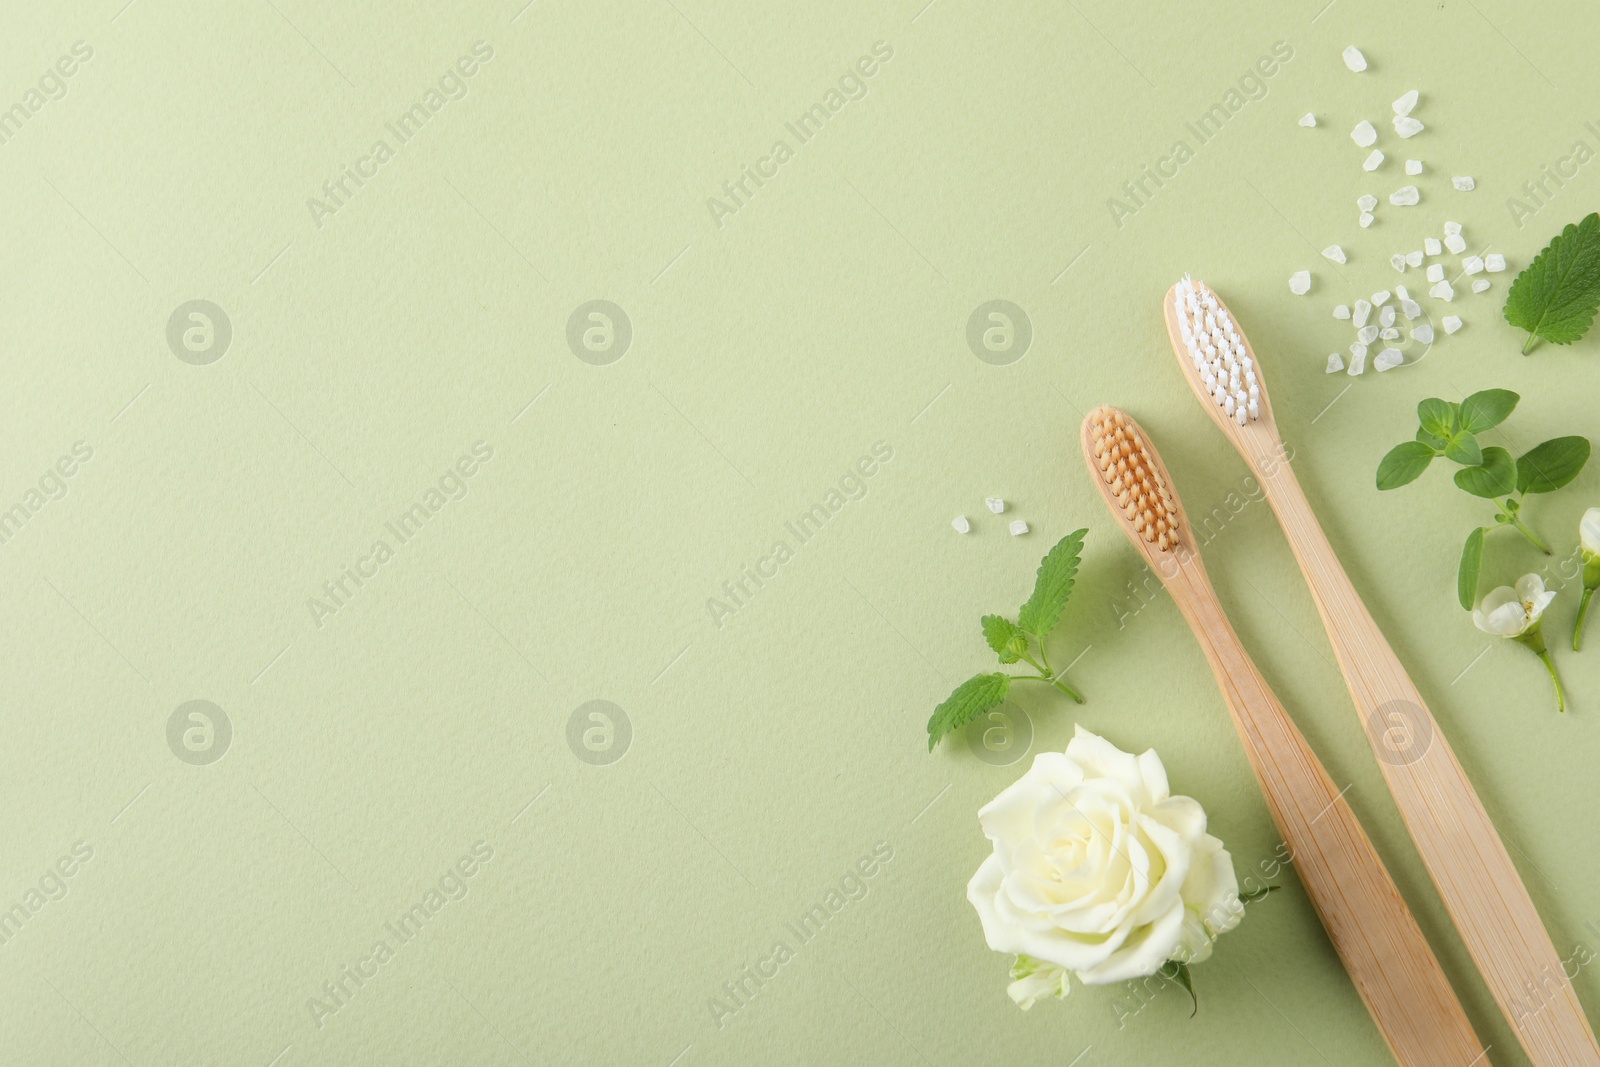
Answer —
(1057, 682)
(1533, 339)
(1583, 609)
(1514, 518)
(1549, 665)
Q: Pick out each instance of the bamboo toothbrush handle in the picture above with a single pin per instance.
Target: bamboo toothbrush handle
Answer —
(1468, 862)
(1390, 962)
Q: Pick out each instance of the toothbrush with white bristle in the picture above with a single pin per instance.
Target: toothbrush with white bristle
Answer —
(1458, 843)
(1378, 940)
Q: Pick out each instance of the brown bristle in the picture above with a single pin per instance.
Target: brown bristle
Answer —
(1123, 456)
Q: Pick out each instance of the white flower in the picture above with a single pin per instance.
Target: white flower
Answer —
(1589, 532)
(1508, 612)
(1099, 871)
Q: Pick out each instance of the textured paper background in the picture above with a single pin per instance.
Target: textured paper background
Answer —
(374, 344)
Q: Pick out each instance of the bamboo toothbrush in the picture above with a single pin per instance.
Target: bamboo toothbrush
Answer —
(1464, 855)
(1374, 933)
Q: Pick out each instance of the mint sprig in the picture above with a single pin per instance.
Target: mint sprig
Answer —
(1012, 642)
(1487, 471)
(1556, 296)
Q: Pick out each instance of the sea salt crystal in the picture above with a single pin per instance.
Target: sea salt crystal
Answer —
(1363, 309)
(1018, 528)
(1494, 263)
(1334, 252)
(1342, 311)
(1443, 291)
(1413, 166)
(1388, 334)
(1365, 219)
(1354, 59)
(1373, 161)
(1398, 262)
(1308, 119)
(1436, 272)
(1431, 246)
(1472, 265)
(1386, 316)
(1300, 282)
(1451, 227)
(995, 504)
(1406, 126)
(1404, 105)
(961, 524)
(1367, 334)
(1410, 308)
(1387, 359)
(1405, 196)
(1380, 298)
(1465, 184)
(1402, 293)
(1335, 363)
(1413, 259)
(1422, 334)
(1480, 284)
(1364, 135)
(1451, 323)
(1456, 244)
(1367, 202)
(1358, 360)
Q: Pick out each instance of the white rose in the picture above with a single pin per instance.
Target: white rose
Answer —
(1099, 871)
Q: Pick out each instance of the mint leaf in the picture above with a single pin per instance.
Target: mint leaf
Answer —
(1496, 476)
(1404, 464)
(1008, 642)
(1487, 409)
(971, 698)
(1178, 971)
(1556, 296)
(1051, 586)
(1437, 416)
(1464, 449)
(1548, 466)
(1467, 573)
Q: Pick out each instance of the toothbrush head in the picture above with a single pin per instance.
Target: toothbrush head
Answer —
(1216, 357)
(1130, 475)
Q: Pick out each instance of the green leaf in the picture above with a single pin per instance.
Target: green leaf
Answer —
(1495, 476)
(1471, 563)
(1178, 971)
(1051, 586)
(1435, 443)
(1463, 448)
(1008, 642)
(1404, 464)
(971, 698)
(1486, 409)
(1547, 467)
(1254, 895)
(1556, 296)
(1437, 416)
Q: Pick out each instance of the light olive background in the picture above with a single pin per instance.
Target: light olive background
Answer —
(770, 353)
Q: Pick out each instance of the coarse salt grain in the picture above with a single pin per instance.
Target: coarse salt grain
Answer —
(1308, 119)
(1451, 323)
(1367, 334)
(1364, 135)
(1436, 272)
(1363, 309)
(1472, 265)
(1334, 252)
(1365, 220)
(1406, 126)
(1373, 161)
(995, 504)
(1300, 282)
(1405, 196)
(1358, 360)
(1398, 262)
(1335, 363)
(1494, 263)
(1413, 259)
(1413, 166)
(1455, 244)
(1402, 293)
(1465, 184)
(1389, 333)
(1018, 528)
(1422, 334)
(1388, 358)
(1410, 308)
(1380, 298)
(1406, 102)
(1366, 202)
(1386, 316)
(1431, 246)
(1443, 291)
(1451, 227)
(961, 524)
(1354, 59)
(1480, 284)
(1342, 311)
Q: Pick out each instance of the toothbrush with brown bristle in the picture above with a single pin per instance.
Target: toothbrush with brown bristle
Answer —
(1393, 969)
(1464, 855)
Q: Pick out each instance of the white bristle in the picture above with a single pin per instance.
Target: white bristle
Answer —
(1217, 349)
